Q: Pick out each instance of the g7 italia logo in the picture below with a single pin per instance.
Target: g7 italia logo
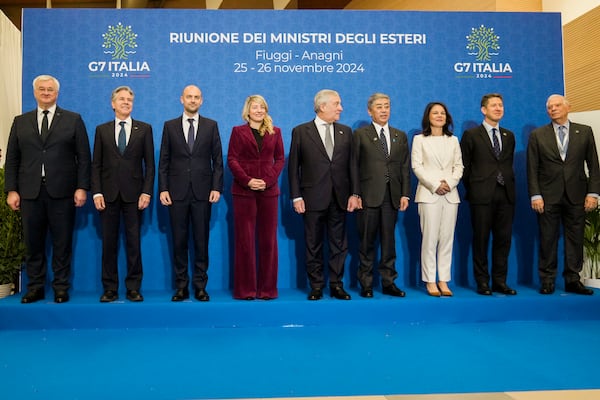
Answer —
(483, 44)
(120, 42)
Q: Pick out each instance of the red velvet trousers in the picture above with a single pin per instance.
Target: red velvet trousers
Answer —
(255, 241)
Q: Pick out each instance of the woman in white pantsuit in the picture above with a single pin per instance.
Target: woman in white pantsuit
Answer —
(437, 163)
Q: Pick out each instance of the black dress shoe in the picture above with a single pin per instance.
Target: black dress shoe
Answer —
(547, 288)
(392, 290)
(135, 296)
(315, 294)
(484, 289)
(181, 295)
(504, 289)
(201, 295)
(33, 295)
(367, 292)
(61, 296)
(339, 293)
(108, 296)
(578, 288)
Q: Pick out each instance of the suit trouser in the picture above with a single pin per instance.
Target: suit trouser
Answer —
(572, 218)
(373, 221)
(111, 222)
(40, 215)
(494, 218)
(333, 221)
(255, 228)
(437, 226)
(182, 213)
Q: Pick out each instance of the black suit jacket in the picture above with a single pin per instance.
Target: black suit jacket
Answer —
(65, 155)
(482, 166)
(312, 175)
(371, 165)
(202, 167)
(129, 174)
(551, 177)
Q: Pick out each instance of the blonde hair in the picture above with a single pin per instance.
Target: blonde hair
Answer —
(267, 123)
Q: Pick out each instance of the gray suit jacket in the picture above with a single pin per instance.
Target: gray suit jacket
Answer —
(551, 177)
(371, 165)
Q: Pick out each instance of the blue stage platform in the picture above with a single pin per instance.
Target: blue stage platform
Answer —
(84, 311)
(290, 347)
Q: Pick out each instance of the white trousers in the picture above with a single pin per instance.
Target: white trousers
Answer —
(438, 221)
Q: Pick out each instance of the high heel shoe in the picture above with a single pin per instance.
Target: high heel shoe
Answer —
(444, 289)
(433, 290)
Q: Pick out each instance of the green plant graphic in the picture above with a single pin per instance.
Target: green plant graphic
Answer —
(117, 40)
(481, 42)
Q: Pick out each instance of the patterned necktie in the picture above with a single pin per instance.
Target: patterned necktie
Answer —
(44, 130)
(190, 137)
(328, 141)
(561, 135)
(122, 142)
(384, 146)
(495, 143)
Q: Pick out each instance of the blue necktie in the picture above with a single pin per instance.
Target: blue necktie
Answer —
(122, 142)
(561, 134)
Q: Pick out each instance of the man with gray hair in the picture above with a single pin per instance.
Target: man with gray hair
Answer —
(47, 175)
(380, 158)
(561, 193)
(122, 184)
(322, 188)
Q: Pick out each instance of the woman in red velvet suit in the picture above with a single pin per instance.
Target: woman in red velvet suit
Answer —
(255, 158)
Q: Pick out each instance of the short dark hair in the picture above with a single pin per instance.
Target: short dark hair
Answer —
(487, 97)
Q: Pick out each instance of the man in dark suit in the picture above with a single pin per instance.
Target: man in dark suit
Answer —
(122, 184)
(47, 174)
(190, 180)
(488, 152)
(321, 186)
(380, 157)
(560, 191)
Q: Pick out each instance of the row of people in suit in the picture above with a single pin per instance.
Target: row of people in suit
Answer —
(331, 172)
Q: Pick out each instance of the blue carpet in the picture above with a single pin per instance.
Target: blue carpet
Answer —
(290, 347)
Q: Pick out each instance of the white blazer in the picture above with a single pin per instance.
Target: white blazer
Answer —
(434, 159)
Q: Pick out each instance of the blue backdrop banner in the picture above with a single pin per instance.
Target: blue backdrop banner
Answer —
(287, 56)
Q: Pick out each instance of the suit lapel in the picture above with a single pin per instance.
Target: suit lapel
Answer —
(376, 140)
(313, 134)
(484, 137)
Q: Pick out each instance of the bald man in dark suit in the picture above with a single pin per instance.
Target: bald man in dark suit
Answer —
(321, 187)
(190, 181)
(47, 175)
(561, 193)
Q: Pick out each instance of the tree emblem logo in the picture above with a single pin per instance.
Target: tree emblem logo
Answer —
(482, 42)
(119, 41)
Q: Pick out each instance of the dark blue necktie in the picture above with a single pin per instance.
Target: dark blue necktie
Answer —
(496, 145)
(122, 142)
(190, 137)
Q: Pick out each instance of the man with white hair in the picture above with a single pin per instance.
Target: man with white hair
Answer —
(47, 174)
(560, 191)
